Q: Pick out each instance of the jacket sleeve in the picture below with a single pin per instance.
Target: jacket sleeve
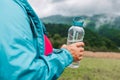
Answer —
(18, 56)
(18, 62)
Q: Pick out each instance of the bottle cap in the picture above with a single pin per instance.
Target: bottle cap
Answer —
(78, 21)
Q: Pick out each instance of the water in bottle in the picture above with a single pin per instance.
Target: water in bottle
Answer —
(76, 34)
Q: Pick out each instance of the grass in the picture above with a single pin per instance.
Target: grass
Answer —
(94, 69)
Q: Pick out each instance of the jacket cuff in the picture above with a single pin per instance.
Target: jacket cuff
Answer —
(65, 54)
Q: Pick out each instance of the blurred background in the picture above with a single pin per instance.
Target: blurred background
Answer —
(102, 34)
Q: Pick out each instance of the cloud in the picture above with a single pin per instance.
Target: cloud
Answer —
(75, 7)
(56, 0)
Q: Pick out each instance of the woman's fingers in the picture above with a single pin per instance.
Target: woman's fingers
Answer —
(79, 44)
(76, 50)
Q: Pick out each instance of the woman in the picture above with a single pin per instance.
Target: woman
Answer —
(25, 51)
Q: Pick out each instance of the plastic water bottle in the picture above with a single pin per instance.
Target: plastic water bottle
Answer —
(76, 34)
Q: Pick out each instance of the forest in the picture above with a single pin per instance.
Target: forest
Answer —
(105, 39)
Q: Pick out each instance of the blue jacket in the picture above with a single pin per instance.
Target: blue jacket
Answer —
(22, 45)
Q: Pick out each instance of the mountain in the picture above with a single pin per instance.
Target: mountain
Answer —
(94, 21)
(57, 19)
(104, 25)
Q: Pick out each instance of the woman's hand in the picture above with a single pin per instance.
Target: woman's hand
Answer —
(76, 49)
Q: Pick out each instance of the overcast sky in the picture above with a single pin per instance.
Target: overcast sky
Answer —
(46, 8)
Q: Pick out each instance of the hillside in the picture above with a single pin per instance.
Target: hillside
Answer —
(94, 21)
(102, 32)
(58, 19)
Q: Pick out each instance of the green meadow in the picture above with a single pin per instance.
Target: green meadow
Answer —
(94, 69)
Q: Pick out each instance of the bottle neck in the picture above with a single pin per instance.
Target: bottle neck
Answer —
(77, 23)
